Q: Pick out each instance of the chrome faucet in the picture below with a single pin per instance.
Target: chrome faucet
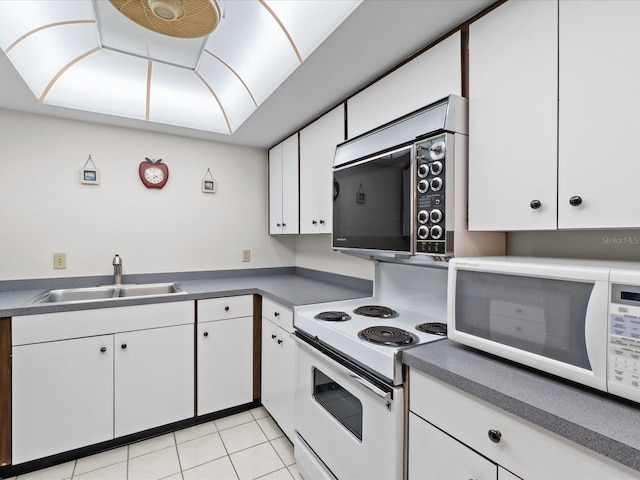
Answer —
(117, 270)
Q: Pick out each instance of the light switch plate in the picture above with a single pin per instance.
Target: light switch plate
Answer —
(246, 255)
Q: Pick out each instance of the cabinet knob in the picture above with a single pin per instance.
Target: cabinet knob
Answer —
(103, 349)
(314, 222)
(273, 336)
(284, 225)
(206, 334)
(575, 201)
(276, 314)
(279, 341)
(535, 204)
(226, 309)
(495, 436)
(321, 222)
(278, 225)
(123, 346)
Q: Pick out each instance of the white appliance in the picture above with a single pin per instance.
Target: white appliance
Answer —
(577, 319)
(350, 398)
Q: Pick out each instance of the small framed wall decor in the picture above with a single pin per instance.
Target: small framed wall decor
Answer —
(89, 174)
(208, 183)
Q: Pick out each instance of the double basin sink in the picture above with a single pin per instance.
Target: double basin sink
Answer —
(108, 292)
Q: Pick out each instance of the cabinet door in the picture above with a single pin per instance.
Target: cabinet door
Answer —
(290, 193)
(598, 114)
(283, 187)
(431, 76)
(317, 148)
(513, 117)
(434, 454)
(225, 364)
(154, 378)
(524, 448)
(275, 190)
(62, 396)
(278, 372)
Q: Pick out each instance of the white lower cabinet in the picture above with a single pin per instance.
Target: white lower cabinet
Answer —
(473, 439)
(225, 353)
(154, 378)
(79, 379)
(278, 369)
(62, 396)
(225, 364)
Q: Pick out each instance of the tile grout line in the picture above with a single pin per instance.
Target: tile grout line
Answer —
(175, 444)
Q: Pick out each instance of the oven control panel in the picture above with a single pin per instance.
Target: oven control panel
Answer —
(430, 231)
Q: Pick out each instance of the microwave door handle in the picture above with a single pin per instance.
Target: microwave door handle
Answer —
(596, 315)
(386, 396)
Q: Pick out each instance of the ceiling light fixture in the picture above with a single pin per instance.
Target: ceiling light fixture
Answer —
(91, 56)
(169, 10)
(175, 18)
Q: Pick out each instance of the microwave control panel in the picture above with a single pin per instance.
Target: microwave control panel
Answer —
(624, 337)
(430, 231)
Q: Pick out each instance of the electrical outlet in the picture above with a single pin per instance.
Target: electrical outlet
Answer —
(59, 260)
(246, 255)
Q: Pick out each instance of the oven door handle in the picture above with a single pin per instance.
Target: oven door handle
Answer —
(386, 396)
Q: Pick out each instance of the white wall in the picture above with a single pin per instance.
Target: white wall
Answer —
(45, 208)
(314, 252)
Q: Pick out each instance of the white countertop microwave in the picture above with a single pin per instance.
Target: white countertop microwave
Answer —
(577, 319)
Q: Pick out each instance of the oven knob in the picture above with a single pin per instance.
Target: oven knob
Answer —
(436, 184)
(423, 216)
(436, 232)
(436, 215)
(436, 151)
(423, 232)
(423, 186)
(423, 170)
(436, 168)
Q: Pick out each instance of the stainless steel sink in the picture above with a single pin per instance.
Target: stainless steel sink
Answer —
(108, 292)
(149, 289)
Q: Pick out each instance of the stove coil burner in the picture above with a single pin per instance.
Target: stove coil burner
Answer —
(377, 311)
(333, 316)
(390, 336)
(435, 328)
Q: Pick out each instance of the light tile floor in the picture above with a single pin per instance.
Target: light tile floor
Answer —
(248, 445)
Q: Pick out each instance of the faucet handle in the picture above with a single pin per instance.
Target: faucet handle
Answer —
(117, 260)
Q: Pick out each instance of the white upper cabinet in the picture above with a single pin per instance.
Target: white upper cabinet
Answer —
(599, 114)
(283, 187)
(433, 75)
(553, 115)
(317, 148)
(513, 71)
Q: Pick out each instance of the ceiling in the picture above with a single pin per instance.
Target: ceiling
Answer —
(378, 35)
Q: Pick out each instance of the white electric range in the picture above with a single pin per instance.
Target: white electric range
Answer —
(349, 395)
(417, 298)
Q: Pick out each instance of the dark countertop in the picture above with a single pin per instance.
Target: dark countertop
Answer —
(288, 286)
(599, 421)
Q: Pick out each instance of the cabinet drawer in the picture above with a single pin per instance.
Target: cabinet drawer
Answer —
(278, 314)
(224, 308)
(524, 448)
(48, 327)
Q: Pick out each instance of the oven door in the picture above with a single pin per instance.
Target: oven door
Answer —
(349, 427)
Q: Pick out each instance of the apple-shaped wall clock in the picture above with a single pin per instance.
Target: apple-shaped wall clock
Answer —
(153, 173)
